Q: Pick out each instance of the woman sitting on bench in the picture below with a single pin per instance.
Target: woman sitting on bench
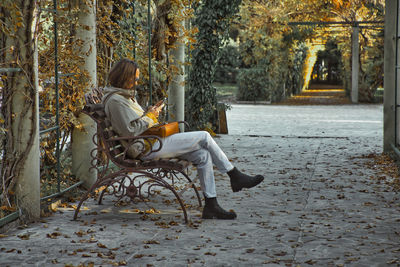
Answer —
(129, 119)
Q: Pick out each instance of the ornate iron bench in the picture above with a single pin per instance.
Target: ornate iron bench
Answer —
(134, 179)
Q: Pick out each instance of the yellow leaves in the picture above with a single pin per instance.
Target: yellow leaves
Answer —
(53, 235)
(7, 208)
(210, 131)
(108, 210)
(152, 211)
(149, 211)
(82, 233)
(24, 236)
(191, 39)
(53, 206)
(130, 211)
(100, 245)
(151, 242)
(139, 256)
(162, 225)
(100, 189)
(385, 167)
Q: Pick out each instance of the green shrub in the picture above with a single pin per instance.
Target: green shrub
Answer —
(371, 71)
(278, 75)
(227, 66)
(212, 18)
(294, 80)
(253, 85)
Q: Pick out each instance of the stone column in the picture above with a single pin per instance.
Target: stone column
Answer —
(176, 90)
(82, 142)
(24, 138)
(389, 109)
(355, 65)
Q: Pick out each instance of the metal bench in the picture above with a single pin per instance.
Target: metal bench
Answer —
(134, 179)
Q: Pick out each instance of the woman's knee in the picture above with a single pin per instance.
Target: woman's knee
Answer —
(201, 158)
(205, 136)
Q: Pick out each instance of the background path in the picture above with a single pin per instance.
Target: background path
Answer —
(319, 95)
(308, 121)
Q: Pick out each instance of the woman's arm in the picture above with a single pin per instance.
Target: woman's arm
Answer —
(125, 120)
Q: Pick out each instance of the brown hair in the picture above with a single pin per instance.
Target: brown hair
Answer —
(122, 72)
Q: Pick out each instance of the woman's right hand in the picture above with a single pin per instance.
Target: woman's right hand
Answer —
(156, 109)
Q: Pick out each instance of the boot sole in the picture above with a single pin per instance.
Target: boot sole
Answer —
(215, 217)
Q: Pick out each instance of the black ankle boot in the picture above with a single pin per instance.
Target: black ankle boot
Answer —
(212, 210)
(240, 180)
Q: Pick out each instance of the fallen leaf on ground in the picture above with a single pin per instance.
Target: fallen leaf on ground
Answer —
(24, 236)
(210, 253)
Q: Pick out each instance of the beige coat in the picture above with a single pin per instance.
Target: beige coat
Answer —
(126, 116)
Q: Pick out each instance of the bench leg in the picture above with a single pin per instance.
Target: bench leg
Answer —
(85, 196)
(99, 183)
(177, 196)
(158, 180)
(153, 180)
(104, 191)
(191, 184)
(182, 205)
(80, 204)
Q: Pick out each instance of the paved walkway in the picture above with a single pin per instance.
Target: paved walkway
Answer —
(320, 205)
(330, 95)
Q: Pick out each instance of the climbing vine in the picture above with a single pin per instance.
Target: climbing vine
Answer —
(18, 23)
(212, 19)
(121, 32)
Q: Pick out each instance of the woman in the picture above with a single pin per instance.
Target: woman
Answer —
(129, 119)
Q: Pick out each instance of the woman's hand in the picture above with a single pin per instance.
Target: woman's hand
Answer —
(156, 109)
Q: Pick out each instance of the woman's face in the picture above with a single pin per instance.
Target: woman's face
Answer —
(137, 76)
(133, 81)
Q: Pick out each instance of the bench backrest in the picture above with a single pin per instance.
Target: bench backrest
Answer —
(107, 142)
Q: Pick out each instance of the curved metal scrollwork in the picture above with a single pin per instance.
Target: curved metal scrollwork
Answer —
(134, 179)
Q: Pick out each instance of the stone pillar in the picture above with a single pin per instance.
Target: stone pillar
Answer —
(82, 142)
(355, 64)
(389, 109)
(25, 111)
(28, 183)
(176, 90)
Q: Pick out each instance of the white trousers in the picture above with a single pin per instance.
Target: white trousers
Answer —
(200, 149)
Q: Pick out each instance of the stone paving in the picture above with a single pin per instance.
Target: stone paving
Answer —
(320, 204)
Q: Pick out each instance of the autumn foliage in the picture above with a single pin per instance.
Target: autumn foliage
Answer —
(267, 42)
(122, 31)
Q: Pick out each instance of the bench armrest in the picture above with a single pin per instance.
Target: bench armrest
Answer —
(145, 141)
(185, 123)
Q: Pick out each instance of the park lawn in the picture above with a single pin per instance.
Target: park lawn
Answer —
(225, 90)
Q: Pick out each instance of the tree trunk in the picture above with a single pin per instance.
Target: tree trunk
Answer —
(82, 143)
(20, 171)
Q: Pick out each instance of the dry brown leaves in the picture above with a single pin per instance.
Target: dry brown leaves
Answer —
(387, 169)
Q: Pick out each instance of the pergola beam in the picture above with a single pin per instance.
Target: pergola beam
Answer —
(328, 23)
(356, 25)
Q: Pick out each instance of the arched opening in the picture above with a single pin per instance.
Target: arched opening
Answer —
(327, 68)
